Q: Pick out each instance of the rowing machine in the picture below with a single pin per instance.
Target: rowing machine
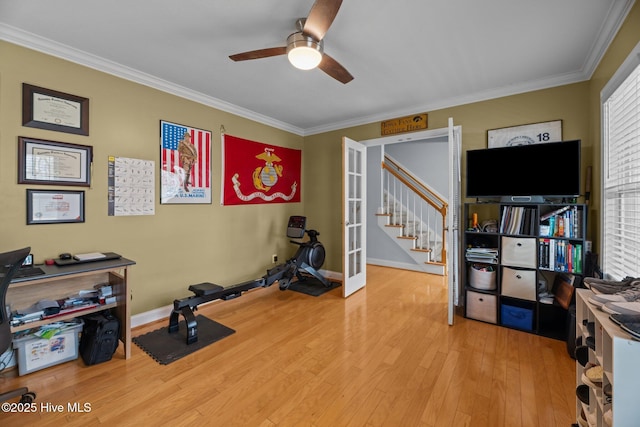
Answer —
(306, 262)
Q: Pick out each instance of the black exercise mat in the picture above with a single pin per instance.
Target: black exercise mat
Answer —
(166, 348)
(312, 286)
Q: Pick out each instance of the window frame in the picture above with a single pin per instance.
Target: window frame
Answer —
(619, 269)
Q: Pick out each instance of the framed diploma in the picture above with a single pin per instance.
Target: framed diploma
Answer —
(52, 110)
(536, 133)
(53, 207)
(57, 163)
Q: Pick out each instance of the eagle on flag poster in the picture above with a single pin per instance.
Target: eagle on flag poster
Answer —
(256, 173)
(265, 177)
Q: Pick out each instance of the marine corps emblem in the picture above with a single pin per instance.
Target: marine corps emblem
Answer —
(266, 176)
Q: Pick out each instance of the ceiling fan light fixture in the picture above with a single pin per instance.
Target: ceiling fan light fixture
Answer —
(304, 52)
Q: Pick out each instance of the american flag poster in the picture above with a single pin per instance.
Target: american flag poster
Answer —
(257, 173)
(186, 164)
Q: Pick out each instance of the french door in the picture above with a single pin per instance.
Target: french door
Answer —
(354, 208)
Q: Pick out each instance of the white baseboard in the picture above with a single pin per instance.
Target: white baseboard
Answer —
(437, 270)
(164, 312)
(394, 264)
(151, 316)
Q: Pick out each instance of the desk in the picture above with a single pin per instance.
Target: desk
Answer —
(61, 282)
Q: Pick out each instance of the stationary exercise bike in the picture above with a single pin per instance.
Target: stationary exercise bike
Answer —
(304, 266)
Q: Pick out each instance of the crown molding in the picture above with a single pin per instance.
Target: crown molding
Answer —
(46, 46)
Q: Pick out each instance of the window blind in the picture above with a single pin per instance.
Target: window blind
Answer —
(621, 179)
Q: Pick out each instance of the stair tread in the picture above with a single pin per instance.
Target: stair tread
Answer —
(419, 238)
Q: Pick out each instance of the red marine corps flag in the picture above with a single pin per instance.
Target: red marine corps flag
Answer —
(254, 173)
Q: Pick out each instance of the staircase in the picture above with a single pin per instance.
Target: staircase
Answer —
(413, 216)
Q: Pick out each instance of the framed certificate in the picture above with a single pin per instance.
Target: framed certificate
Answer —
(52, 206)
(49, 162)
(49, 109)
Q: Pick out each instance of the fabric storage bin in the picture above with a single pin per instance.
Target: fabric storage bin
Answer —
(482, 307)
(518, 252)
(482, 276)
(518, 283)
(516, 317)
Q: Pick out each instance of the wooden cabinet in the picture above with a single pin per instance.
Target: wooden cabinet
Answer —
(618, 353)
(62, 282)
(525, 247)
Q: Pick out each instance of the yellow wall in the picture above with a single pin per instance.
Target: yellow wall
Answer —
(568, 103)
(178, 246)
(182, 245)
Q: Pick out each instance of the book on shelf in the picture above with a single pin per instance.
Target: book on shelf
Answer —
(554, 213)
(578, 262)
(559, 255)
(531, 221)
(504, 219)
(560, 228)
(563, 222)
(517, 220)
(543, 253)
(484, 255)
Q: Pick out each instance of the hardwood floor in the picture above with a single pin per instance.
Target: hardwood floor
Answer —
(383, 357)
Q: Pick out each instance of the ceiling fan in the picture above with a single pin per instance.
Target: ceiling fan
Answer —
(305, 48)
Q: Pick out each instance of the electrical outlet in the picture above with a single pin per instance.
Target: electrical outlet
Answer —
(274, 258)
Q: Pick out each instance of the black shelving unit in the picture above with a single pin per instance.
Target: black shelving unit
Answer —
(523, 253)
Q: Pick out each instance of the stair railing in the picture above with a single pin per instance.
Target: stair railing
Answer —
(405, 189)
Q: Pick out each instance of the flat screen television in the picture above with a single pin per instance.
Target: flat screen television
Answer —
(517, 173)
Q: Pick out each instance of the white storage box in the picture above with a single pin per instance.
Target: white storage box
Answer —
(482, 307)
(482, 276)
(519, 283)
(35, 353)
(518, 252)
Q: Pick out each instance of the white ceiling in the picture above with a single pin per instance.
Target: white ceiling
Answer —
(406, 56)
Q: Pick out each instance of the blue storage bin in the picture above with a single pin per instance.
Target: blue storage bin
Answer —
(516, 317)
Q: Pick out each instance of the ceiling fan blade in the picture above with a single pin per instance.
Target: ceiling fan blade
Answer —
(260, 53)
(320, 18)
(334, 69)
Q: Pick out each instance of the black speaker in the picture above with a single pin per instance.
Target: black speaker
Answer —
(99, 338)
